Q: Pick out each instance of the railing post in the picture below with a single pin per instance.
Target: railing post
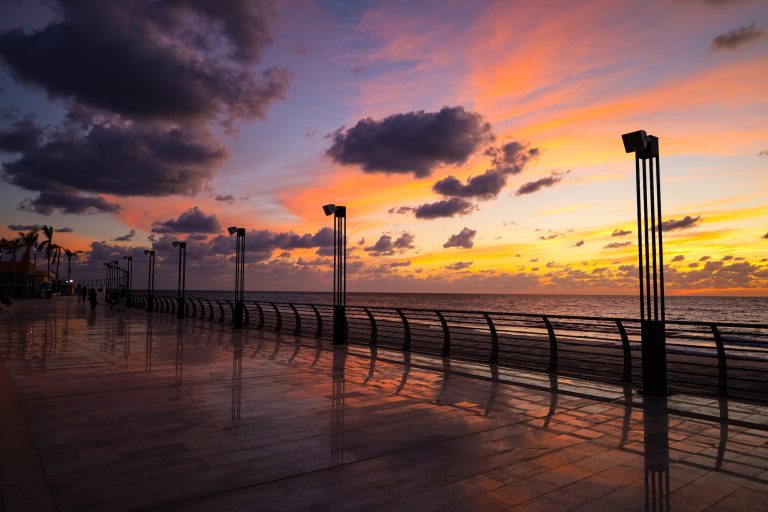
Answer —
(722, 368)
(221, 311)
(446, 335)
(194, 307)
(232, 309)
(626, 374)
(552, 345)
(296, 315)
(374, 328)
(494, 339)
(319, 319)
(261, 315)
(246, 316)
(407, 328)
(279, 322)
(210, 309)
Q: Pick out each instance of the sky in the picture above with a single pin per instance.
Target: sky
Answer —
(476, 144)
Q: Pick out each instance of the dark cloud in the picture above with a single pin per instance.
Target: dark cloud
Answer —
(21, 136)
(126, 237)
(180, 60)
(68, 202)
(579, 243)
(621, 232)
(261, 243)
(446, 208)
(763, 153)
(484, 186)
(736, 37)
(534, 186)
(693, 265)
(679, 257)
(385, 246)
(190, 221)
(766, 235)
(550, 235)
(197, 237)
(616, 245)
(705, 258)
(414, 142)
(229, 198)
(686, 222)
(119, 160)
(464, 239)
(459, 265)
(727, 258)
(512, 157)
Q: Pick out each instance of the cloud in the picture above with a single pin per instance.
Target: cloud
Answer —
(550, 235)
(229, 198)
(120, 160)
(190, 221)
(736, 38)
(512, 157)
(621, 232)
(21, 136)
(464, 239)
(183, 60)
(415, 142)
(125, 238)
(68, 202)
(459, 265)
(679, 257)
(686, 222)
(534, 186)
(766, 235)
(616, 245)
(579, 243)
(446, 208)
(261, 243)
(384, 246)
(763, 153)
(484, 186)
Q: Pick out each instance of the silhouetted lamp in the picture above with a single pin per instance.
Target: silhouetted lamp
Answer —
(129, 259)
(182, 280)
(650, 251)
(238, 320)
(339, 271)
(150, 281)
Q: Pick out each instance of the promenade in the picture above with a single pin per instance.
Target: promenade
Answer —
(109, 410)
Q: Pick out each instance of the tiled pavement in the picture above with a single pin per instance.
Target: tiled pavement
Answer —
(121, 411)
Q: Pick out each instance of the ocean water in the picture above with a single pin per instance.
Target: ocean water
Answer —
(714, 309)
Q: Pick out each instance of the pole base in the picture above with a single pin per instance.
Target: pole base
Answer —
(237, 317)
(654, 358)
(339, 325)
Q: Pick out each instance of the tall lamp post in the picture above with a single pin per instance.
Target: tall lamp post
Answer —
(150, 281)
(116, 275)
(237, 320)
(339, 271)
(650, 256)
(108, 268)
(182, 277)
(129, 286)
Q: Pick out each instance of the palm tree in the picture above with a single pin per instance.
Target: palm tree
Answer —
(70, 255)
(28, 242)
(48, 245)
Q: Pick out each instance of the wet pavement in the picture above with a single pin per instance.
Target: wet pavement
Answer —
(111, 410)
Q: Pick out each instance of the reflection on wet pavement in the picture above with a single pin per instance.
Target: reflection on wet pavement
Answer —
(112, 410)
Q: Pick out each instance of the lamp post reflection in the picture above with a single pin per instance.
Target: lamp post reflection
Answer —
(237, 374)
(338, 370)
(656, 453)
(179, 354)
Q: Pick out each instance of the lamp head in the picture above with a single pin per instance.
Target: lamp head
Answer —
(175, 243)
(146, 251)
(232, 230)
(635, 141)
(129, 258)
(329, 209)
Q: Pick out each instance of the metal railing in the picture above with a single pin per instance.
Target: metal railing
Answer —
(702, 357)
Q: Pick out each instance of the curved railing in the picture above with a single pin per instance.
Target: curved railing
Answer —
(705, 357)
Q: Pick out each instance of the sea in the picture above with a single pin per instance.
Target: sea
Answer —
(690, 308)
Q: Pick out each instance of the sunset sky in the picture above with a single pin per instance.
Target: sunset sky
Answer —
(475, 144)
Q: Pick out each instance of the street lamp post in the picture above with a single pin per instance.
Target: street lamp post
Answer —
(116, 275)
(650, 255)
(237, 320)
(339, 271)
(150, 281)
(129, 276)
(180, 313)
